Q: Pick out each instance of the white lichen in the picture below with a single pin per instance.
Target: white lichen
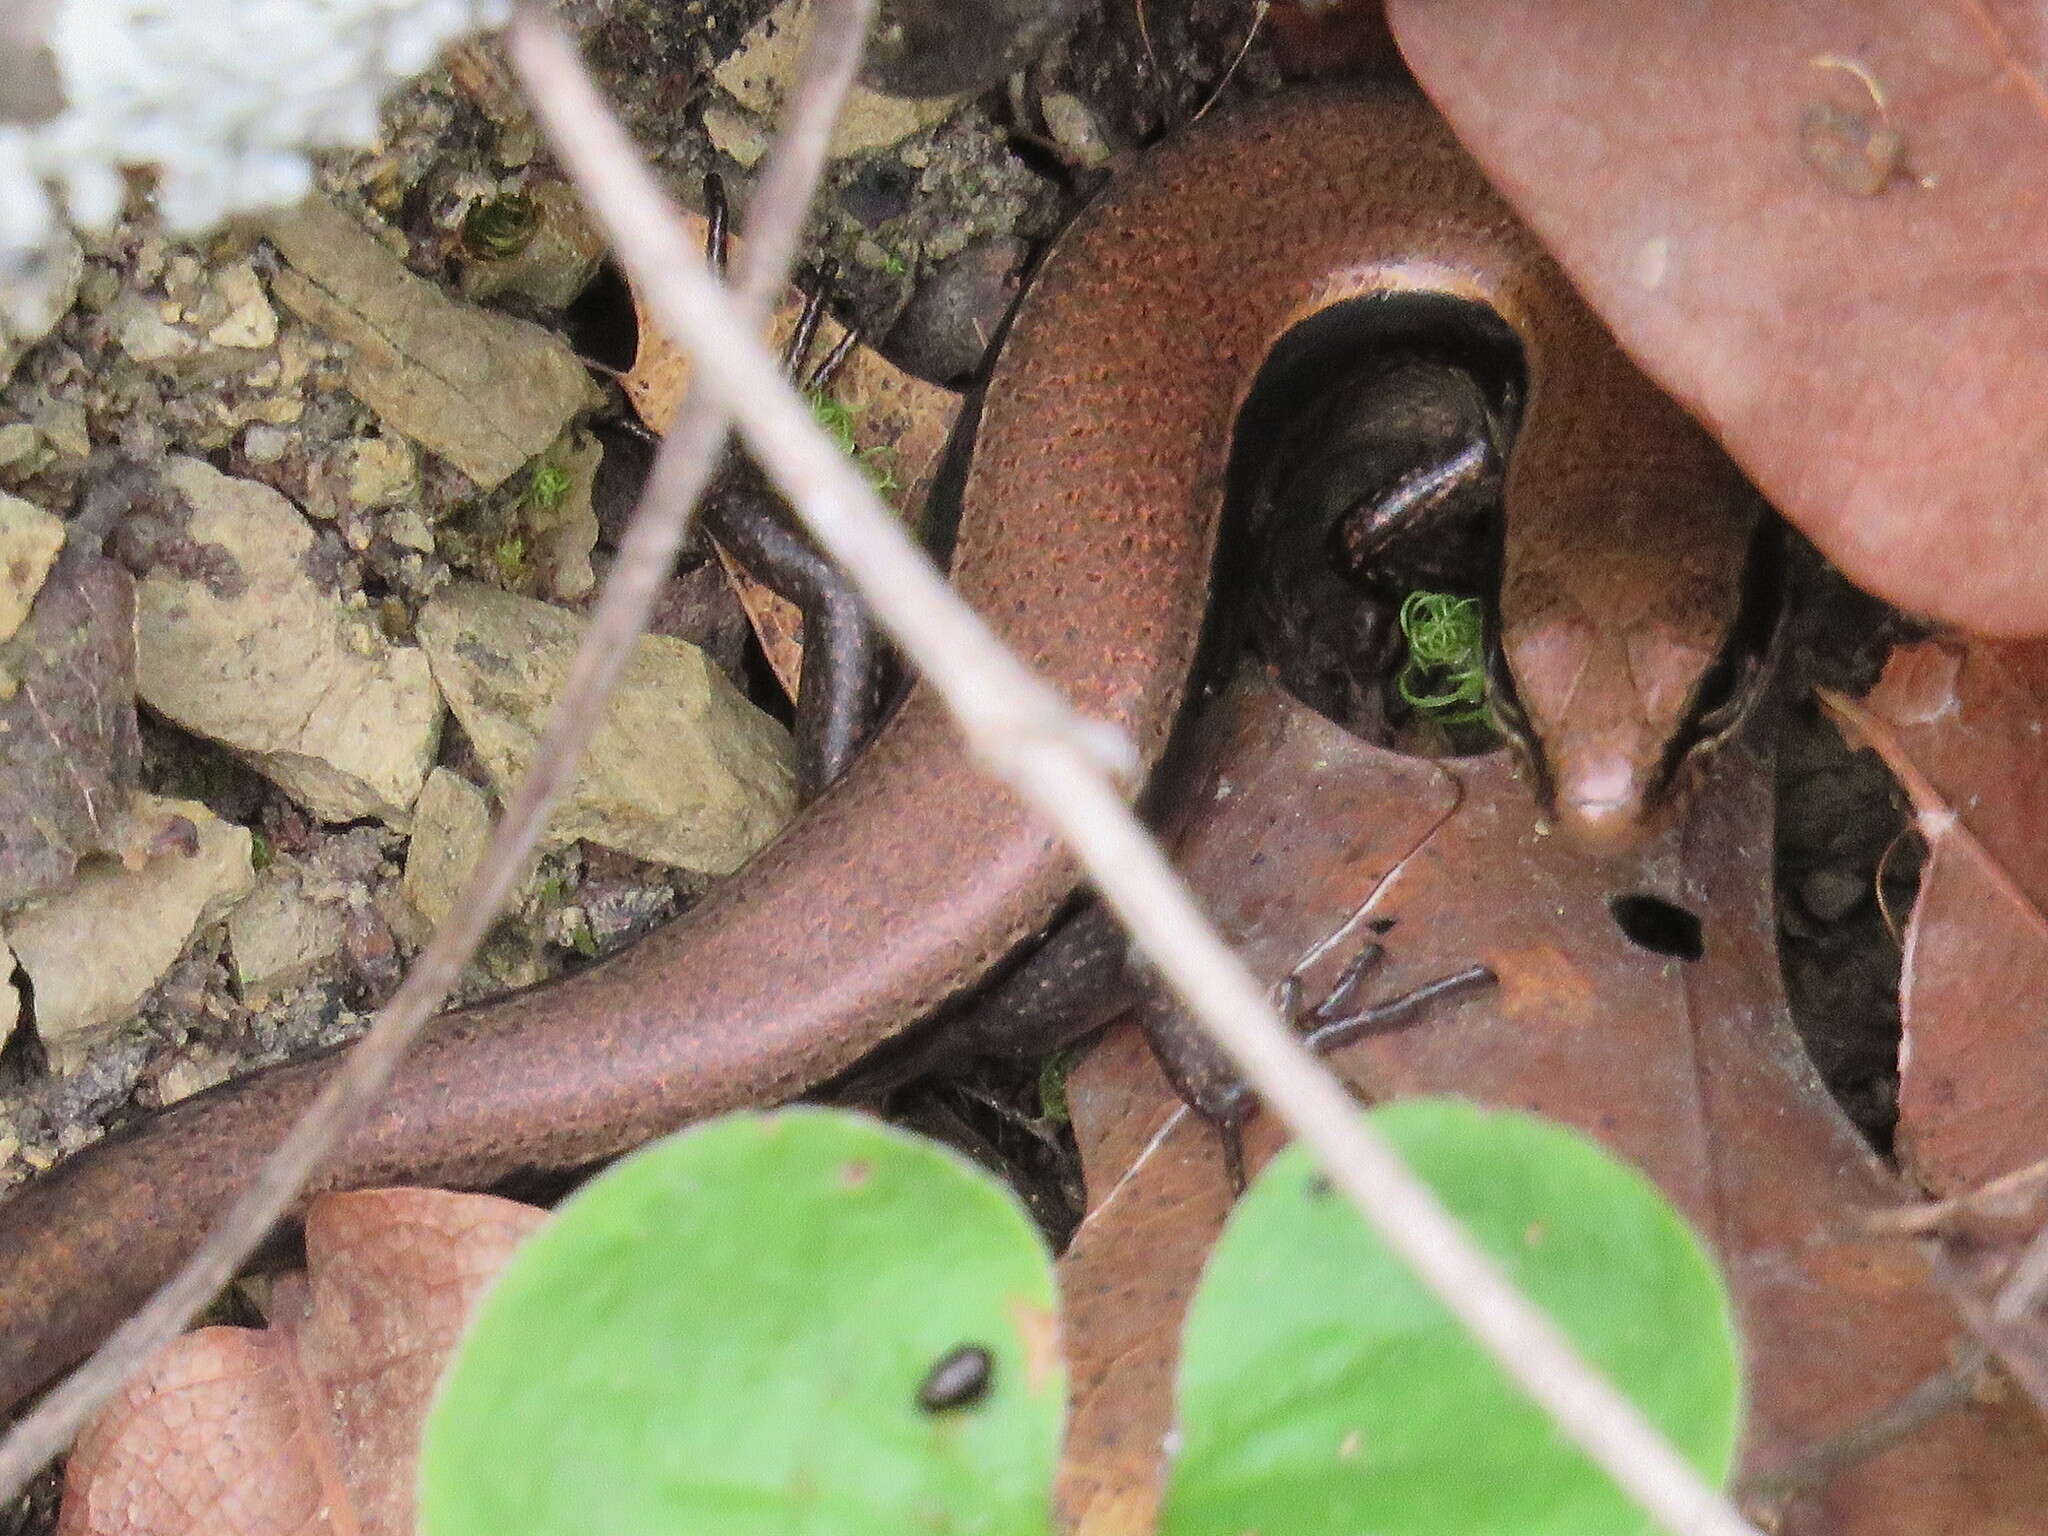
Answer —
(225, 99)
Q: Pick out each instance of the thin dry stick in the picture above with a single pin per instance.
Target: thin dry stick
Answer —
(1934, 1398)
(1251, 33)
(1026, 736)
(2017, 1344)
(2004, 1198)
(681, 470)
(2027, 1284)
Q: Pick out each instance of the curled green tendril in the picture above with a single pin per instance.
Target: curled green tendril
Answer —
(1445, 678)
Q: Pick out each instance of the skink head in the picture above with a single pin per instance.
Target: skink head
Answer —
(1599, 715)
(1629, 666)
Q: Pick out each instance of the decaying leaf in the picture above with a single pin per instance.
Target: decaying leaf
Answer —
(69, 754)
(1960, 726)
(311, 1426)
(1689, 1069)
(1818, 223)
(897, 424)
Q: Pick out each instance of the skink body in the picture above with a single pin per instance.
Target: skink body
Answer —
(1089, 527)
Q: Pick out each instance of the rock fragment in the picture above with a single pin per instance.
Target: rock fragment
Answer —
(31, 303)
(485, 391)
(29, 541)
(551, 267)
(239, 644)
(684, 772)
(758, 73)
(450, 825)
(562, 521)
(93, 951)
(282, 933)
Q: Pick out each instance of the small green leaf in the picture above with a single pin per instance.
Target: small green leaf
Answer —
(767, 1324)
(1323, 1391)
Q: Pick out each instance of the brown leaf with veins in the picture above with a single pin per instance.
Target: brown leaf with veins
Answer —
(1818, 224)
(1690, 1070)
(69, 753)
(1960, 726)
(897, 422)
(311, 1426)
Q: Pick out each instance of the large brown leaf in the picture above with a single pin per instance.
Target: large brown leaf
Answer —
(311, 1426)
(1688, 1069)
(1960, 726)
(1819, 224)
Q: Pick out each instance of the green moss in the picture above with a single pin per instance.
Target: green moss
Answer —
(499, 228)
(878, 463)
(1445, 678)
(509, 556)
(548, 487)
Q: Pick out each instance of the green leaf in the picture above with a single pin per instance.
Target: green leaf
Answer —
(730, 1332)
(1322, 1390)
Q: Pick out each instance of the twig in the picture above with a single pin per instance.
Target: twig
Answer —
(2017, 1343)
(1251, 32)
(2004, 1198)
(681, 469)
(1022, 732)
(1934, 1398)
(2027, 1284)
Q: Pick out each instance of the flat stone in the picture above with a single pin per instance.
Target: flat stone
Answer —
(93, 951)
(451, 823)
(282, 934)
(29, 541)
(759, 72)
(484, 390)
(684, 772)
(250, 321)
(382, 471)
(565, 533)
(269, 663)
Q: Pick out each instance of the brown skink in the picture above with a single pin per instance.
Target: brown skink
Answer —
(1087, 537)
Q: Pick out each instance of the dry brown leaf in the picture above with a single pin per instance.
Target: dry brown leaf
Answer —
(900, 423)
(1960, 726)
(69, 753)
(311, 1426)
(1818, 223)
(1691, 1071)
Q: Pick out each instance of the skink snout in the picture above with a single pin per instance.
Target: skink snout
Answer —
(1602, 805)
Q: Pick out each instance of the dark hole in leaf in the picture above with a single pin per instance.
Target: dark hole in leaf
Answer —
(959, 1380)
(1661, 927)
